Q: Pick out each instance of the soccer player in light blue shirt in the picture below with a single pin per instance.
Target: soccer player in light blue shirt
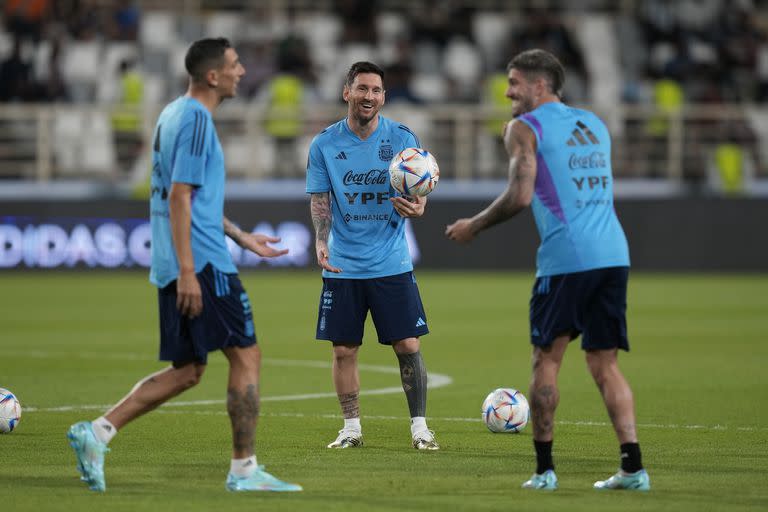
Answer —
(361, 246)
(560, 164)
(203, 305)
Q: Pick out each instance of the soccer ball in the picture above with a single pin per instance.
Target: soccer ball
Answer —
(414, 172)
(506, 410)
(10, 411)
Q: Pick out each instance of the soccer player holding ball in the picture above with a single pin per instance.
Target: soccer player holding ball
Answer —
(361, 246)
(560, 164)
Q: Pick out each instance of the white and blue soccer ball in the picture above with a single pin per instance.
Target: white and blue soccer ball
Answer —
(414, 172)
(506, 410)
(10, 411)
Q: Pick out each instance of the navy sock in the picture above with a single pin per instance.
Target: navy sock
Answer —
(630, 458)
(543, 456)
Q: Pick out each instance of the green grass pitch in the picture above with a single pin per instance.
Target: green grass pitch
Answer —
(72, 343)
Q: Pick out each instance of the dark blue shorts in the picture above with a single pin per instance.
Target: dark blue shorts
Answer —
(394, 303)
(592, 304)
(226, 320)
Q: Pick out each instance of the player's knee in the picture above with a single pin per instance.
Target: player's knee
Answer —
(599, 366)
(344, 353)
(406, 346)
(190, 376)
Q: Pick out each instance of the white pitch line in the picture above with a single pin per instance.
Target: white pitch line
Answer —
(436, 380)
(478, 420)
(165, 409)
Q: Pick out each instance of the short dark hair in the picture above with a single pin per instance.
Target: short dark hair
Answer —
(540, 62)
(204, 55)
(363, 67)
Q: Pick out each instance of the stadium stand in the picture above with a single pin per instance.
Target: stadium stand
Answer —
(682, 84)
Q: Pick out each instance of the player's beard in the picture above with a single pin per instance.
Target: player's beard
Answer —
(362, 118)
(521, 106)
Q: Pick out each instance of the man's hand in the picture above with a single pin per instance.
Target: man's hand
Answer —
(257, 242)
(410, 206)
(461, 231)
(321, 248)
(189, 297)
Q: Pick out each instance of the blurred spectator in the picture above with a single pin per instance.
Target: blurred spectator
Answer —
(126, 116)
(25, 18)
(358, 20)
(15, 76)
(285, 95)
(52, 88)
(399, 89)
(543, 29)
(82, 19)
(439, 21)
(123, 21)
(258, 59)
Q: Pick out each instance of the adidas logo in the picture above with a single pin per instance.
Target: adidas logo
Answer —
(579, 136)
(341, 156)
(420, 322)
(535, 332)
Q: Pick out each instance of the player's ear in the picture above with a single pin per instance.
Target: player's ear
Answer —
(345, 93)
(212, 78)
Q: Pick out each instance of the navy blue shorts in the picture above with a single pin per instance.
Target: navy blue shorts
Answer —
(592, 304)
(394, 303)
(226, 319)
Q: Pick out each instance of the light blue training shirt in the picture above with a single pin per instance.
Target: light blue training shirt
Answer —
(367, 236)
(573, 199)
(186, 149)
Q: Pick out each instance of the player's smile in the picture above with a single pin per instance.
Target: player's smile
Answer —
(365, 96)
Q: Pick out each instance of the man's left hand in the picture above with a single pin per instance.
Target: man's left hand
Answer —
(409, 206)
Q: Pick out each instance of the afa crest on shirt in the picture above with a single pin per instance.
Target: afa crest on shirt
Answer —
(385, 152)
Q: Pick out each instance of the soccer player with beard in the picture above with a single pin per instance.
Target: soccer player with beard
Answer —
(361, 246)
(560, 164)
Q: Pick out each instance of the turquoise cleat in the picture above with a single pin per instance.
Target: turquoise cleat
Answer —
(90, 455)
(260, 480)
(547, 481)
(638, 481)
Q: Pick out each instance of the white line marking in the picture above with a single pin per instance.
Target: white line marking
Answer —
(436, 380)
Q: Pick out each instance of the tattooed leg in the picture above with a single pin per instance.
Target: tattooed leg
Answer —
(243, 397)
(544, 395)
(346, 379)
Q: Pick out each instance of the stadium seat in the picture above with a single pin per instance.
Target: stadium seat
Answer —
(82, 67)
(463, 63)
(158, 29)
(319, 28)
(490, 30)
(67, 125)
(6, 44)
(429, 86)
(97, 149)
(223, 24)
(391, 26)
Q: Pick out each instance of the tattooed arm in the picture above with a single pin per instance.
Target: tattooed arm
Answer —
(520, 143)
(320, 207)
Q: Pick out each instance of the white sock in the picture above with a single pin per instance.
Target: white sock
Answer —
(243, 468)
(418, 424)
(352, 424)
(103, 429)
